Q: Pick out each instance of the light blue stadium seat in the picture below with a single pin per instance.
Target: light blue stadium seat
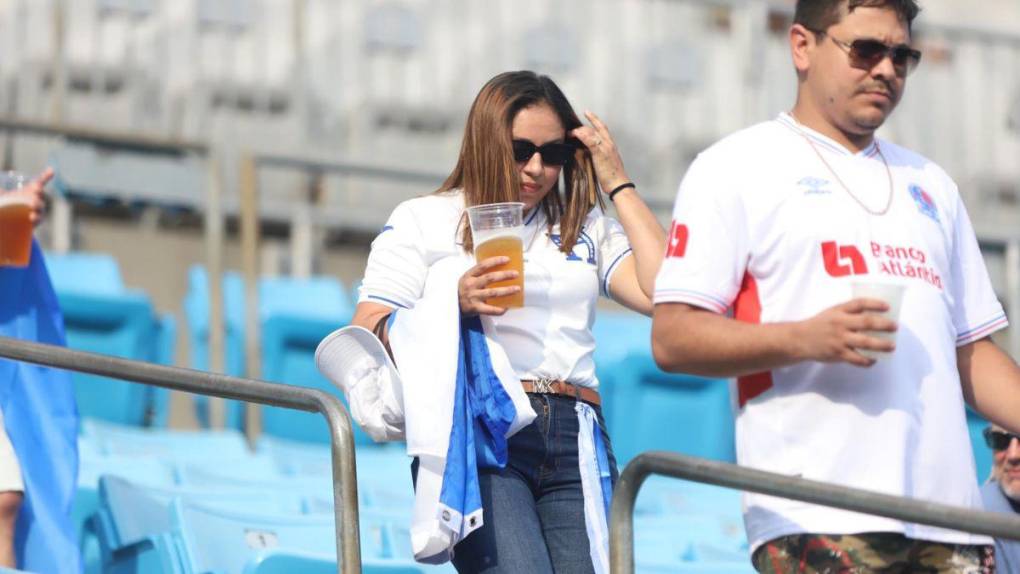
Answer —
(685, 540)
(133, 521)
(384, 473)
(218, 540)
(196, 311)
(299, 458)
(618, 335)
(250, 471)
(736, 567)
(314, 297)
(129, 531)
(982, 454)
(148, 470)
(174, 445)
(292, 312)
(277, 562)
(662, 497)
(288, 344)
(102, 316)
(654, 410)
(83, 272)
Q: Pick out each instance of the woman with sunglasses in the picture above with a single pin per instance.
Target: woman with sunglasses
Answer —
(522, 138)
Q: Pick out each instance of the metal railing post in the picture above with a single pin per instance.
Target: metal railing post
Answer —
(621, 528)
(345, 485)
(213, 224)
(249, 221)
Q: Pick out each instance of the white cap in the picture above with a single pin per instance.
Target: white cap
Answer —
(354, 360)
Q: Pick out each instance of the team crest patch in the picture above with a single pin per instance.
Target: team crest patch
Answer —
(814, 185)
(925, 204)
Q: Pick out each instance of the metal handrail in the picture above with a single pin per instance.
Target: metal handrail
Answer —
(345, 487)
(621, 532)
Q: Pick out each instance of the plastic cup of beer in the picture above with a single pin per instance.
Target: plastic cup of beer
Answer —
(496, 229)
(892, 295)
(15, 223)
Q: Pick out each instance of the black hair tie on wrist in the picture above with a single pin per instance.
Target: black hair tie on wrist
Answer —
(619, 188)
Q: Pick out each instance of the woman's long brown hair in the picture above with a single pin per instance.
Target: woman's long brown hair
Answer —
(486, 169)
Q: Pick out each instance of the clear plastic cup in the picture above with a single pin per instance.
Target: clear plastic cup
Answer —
(496, 229)
(15, 223)
(892, 295)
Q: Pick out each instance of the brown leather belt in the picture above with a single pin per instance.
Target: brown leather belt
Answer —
(554, 387)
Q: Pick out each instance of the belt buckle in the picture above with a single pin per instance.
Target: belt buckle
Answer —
(544, 385)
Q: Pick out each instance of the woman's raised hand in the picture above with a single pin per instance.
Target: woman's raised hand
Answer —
(608, 163)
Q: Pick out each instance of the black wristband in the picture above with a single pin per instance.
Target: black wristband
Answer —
(619, 188)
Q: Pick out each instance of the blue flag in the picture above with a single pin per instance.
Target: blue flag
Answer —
(482, 415)
(41, 420)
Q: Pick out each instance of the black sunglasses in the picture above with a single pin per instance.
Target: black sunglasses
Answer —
(866, 53)
(998, 440)
(552, 153)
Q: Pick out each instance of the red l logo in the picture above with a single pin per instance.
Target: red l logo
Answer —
(842, 260)
(677, 246)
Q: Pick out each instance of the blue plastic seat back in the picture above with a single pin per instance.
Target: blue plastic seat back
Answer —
(103, 316)
(173, 445)
(662, 497)
(618, 335)
(690, 539)
(316, 300)
(384, 475)
(288, 345)
(122, 325)
(134, 512)
(137, 511)
(86, 273)
(312, 297)
(982, 454)
(246, 472)
(284, 562)
(196, 312)
(654, 410)
(220, 540)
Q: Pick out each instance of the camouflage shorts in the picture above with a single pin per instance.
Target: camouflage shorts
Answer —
(880, 553)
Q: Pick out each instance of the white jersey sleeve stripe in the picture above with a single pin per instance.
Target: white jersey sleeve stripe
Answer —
(695, 298)
(982, 330)
(385, 301)
(612, 269)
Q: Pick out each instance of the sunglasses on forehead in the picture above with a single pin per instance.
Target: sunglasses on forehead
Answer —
(998, 440)
(552, 153)
(866, 53)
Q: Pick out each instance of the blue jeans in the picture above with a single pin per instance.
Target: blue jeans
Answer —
(534, 508)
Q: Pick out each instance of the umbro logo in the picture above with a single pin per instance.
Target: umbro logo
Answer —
(814, 186)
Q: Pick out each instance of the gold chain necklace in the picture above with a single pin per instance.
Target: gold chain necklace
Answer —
(888, 173)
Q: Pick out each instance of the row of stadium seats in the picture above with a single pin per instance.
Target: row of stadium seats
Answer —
(154, 500)
(187, 502)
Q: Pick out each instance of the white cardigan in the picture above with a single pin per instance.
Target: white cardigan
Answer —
(425, 341)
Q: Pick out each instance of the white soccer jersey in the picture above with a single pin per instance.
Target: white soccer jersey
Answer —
(763, 226)
(551, 335)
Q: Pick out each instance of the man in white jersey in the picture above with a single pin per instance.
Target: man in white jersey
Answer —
(778, 222)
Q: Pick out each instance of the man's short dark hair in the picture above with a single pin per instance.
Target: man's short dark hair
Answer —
(818, 15)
